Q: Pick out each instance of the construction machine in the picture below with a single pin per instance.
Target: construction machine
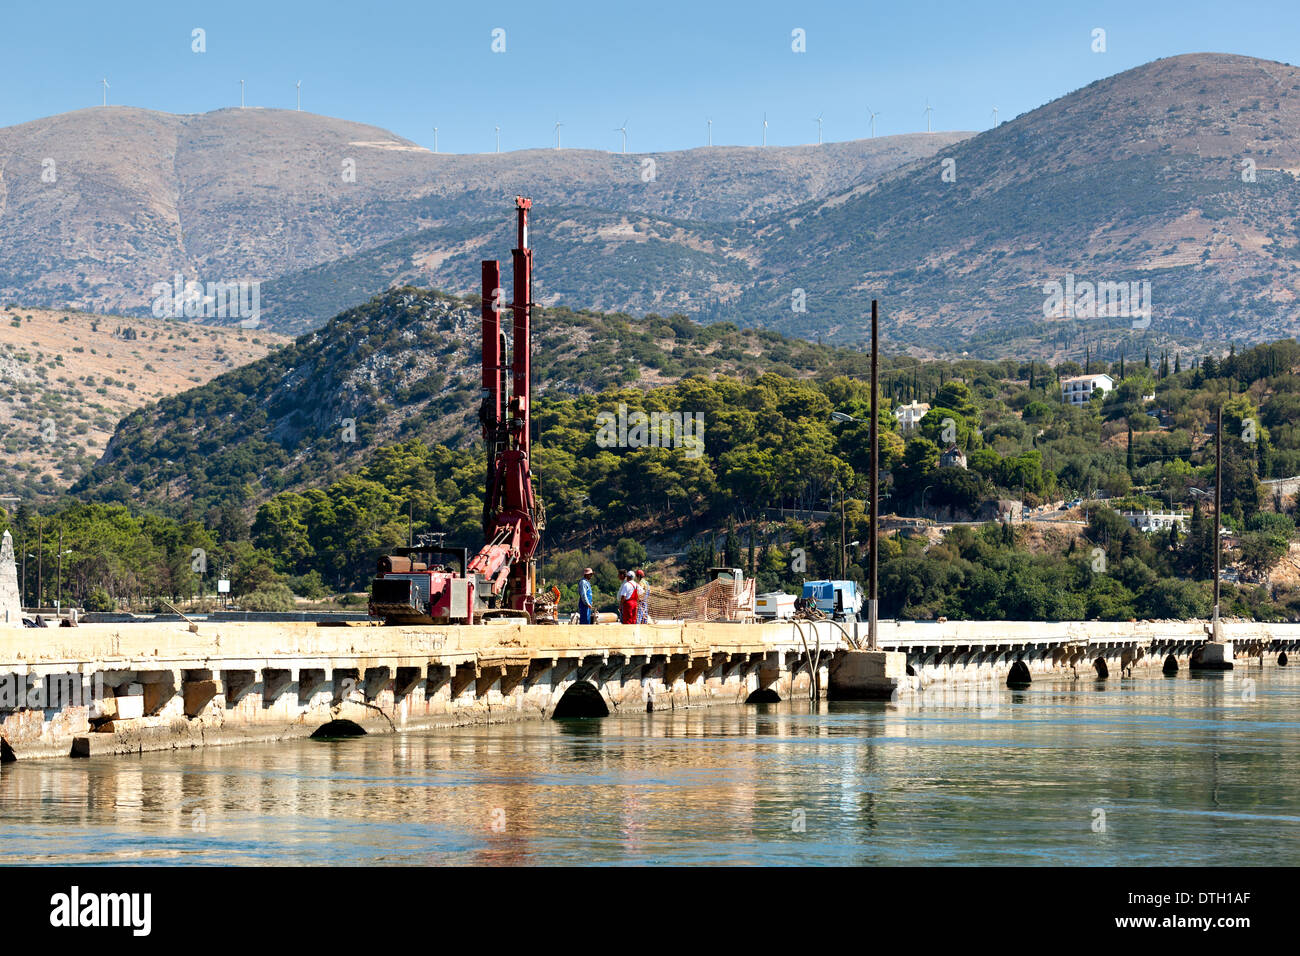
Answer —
(425, 583)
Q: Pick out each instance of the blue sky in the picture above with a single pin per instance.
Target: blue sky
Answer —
(663, 65)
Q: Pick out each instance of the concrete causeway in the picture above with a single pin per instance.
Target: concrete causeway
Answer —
(125, 688)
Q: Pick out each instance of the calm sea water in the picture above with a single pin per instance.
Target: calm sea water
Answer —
(1146, 771)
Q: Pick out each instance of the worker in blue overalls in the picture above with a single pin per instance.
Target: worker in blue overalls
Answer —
(586, 601)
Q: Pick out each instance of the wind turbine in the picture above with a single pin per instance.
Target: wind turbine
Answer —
(241, 94)
(928, 111)
(764, 129)
(818, 120)
(105, 82)
(710, 122)
(298, 86)
(498, 129)
(622, 129)
(558, 124)
(435, 139)
(874, 114)
(995, 116)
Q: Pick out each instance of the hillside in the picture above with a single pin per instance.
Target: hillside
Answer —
(98, 205)
(67, 378)
(405, 365)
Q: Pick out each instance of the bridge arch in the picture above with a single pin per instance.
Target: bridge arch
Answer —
(338, 730)
(1099, 665)
(1018, 676)
(582, 699)
(764, 695)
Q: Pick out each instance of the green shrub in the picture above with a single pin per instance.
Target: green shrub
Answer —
(272, 597)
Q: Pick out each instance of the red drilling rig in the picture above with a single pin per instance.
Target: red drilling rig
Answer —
(432, 584)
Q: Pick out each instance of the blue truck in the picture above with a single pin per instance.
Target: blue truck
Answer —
(838, 600)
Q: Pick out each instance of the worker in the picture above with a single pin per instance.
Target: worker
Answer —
(586, 602)
(642, 598)
(627, 599)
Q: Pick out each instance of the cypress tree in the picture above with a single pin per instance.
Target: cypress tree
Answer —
(1129, 462)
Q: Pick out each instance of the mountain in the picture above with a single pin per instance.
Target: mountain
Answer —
(404, 365)
(1180, 174)
(1138, 178)
(1141, 176)
(100, 205)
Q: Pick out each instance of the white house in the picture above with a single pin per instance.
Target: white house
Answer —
(910, 415)
(1156, 520)
(1078, 390)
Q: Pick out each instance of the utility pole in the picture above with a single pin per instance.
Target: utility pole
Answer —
(40, 562)
(874, 491)
(58, 601)
(1218, 510)
(843, 537)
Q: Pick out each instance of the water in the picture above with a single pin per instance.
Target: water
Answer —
(1180, 771)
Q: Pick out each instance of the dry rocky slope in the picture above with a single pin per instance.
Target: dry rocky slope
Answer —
(98, 205)
(67, 378)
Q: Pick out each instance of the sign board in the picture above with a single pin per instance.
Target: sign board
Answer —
(223, 587)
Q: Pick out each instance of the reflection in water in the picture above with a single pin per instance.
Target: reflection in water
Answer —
(1185, 770)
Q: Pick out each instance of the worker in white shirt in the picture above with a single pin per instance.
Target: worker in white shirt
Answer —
(627, 599)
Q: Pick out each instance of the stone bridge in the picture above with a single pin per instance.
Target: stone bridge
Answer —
(124, 688)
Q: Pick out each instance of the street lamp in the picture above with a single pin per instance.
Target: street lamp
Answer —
(842, 417)
(58, 601)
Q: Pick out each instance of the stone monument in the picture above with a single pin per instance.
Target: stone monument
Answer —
(11, 603)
